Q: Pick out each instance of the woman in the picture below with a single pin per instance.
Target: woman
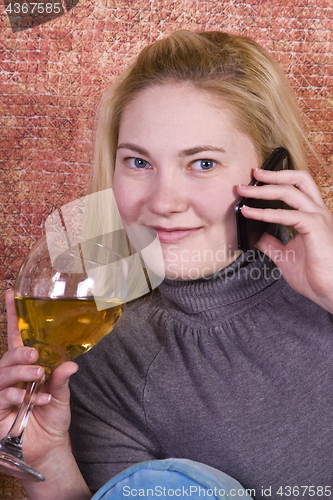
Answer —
(228, 363)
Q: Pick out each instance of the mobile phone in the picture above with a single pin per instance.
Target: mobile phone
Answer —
(250, 230)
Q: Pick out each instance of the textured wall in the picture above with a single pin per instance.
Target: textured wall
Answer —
(53, 75)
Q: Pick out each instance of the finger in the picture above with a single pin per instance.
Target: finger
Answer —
(282, 255)
(303, 222)
(286, 192)
(43, 399)
(13, 396)
(58, 382)
(12, 375)
(301, 179)
(19, 356)
(10, 397)
(14, 336)
(277, 216)
(271, 246)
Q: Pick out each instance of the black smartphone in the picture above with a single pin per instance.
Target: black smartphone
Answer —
(250, 230)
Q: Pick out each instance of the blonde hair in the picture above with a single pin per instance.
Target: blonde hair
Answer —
(231, 68)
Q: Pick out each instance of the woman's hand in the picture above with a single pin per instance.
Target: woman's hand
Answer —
(45, 444)
(306, 261)
(49, 421)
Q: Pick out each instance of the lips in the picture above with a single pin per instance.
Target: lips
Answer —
(173, 235)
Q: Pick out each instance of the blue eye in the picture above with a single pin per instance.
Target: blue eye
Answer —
(138, 163)
(203, 164)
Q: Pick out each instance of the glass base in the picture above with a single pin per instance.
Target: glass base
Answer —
(18, 468)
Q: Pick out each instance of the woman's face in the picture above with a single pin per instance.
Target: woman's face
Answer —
(180, 157)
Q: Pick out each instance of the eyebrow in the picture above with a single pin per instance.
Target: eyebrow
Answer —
(182, 154)
(200, 149)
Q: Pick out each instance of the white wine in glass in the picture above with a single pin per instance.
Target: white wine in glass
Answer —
(63, 328)
(64, 308)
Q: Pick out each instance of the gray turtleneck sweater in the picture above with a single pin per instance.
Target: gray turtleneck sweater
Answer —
(235, 371)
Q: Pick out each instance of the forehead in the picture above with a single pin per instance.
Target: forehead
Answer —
(177, 104)
(175, 91)
(164, 121)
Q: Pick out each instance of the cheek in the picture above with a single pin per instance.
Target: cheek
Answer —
(219, 205)
(126, 199)
(121, 196)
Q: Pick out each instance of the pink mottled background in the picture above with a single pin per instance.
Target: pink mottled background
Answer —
(52, 77)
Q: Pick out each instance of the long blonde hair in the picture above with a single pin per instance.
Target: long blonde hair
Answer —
(229, 67)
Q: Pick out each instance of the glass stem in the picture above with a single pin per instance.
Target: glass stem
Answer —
(12, 443)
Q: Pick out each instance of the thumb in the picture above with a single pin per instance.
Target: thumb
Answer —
(271, 246)
(58, 381)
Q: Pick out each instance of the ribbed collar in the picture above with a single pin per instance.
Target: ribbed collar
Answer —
(205, 298)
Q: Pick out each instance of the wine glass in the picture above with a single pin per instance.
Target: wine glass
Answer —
(65, 305)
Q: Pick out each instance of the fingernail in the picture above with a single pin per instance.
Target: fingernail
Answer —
(243, 185)
(37, 371)
(45, 398)
(31, 354)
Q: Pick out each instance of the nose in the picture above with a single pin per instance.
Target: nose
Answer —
(168, 195)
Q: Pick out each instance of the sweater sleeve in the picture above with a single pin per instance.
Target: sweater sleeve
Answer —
(108, 431)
